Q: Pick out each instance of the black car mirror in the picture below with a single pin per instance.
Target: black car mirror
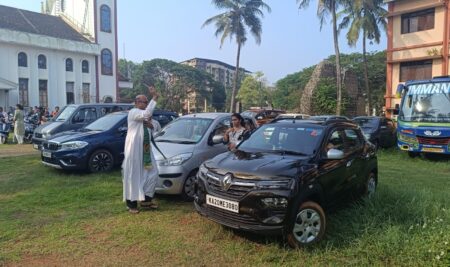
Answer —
(122, 129)
(217, 139)
(335, 154)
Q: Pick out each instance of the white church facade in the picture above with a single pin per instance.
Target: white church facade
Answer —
(66, 54)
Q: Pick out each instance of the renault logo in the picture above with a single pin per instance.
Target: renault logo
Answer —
(226, 182)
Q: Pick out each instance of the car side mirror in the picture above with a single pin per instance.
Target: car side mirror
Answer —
(217, 139)
(335, 154)
(396, 109)
(122, 130)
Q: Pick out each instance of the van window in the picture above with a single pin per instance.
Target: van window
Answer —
(85, 115)
(66, 113)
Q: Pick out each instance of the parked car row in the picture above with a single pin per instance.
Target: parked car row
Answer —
(281, 179)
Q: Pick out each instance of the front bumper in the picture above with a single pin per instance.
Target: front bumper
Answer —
(66, 160)
(171, 179)
(253, 216)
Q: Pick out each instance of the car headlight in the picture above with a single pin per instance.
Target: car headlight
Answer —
(46, 135)
(176, 160)
(73, 145)
(202, 170)
(407, 139)
(275, 184)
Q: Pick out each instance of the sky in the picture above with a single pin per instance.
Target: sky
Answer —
(172, 29)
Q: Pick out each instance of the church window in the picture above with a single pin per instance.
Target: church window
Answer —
(42, 62)
(107, 62)
(23, 92)
(105, 18)
(69, 64)
(22, 58)
(85, 66)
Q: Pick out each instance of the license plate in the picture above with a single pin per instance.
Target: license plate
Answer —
(36, 146)
(222, 203)
(46, 154)
(432, 149)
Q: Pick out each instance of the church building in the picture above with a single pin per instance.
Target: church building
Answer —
(65, 54)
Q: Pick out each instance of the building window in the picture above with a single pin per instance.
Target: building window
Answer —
(85, 66)
(23, 92)
(22, 60)
(105, 18)
(63, 6)
(416, 70)
(418, 21)
(42, 62)
(107, 64)
(70, 94)
(69, 64)
(43, 94)
(86, 92)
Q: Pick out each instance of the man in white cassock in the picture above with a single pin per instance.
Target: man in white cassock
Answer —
(134, 177)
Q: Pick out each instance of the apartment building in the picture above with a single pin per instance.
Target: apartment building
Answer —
(418, 43)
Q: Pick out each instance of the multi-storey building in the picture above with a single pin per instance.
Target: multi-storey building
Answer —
(66, 54)
(221, 72)
(418, 43)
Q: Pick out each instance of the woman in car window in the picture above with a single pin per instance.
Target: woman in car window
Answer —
(234, 135)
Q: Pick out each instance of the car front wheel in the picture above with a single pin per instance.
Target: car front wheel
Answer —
(189, 186)
(308, 226)
(101, 161)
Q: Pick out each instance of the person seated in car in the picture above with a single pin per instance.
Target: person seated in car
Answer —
(234, 135)
(249, 129)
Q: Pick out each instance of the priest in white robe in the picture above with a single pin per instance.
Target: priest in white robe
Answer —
(133, 164)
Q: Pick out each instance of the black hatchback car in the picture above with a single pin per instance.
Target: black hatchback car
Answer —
(97, 147)
(379, 131)
(281, 179)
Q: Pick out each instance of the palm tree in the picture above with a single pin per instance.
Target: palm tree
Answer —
(239, 15)
(324, 9)
(366, 16)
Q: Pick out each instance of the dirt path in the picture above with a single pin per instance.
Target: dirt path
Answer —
(13, 150)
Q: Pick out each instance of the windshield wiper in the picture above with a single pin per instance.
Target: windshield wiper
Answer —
(175, 141)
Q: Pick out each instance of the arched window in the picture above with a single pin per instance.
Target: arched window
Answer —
(107, 63)
(22, 59)
(85, 66)
(42, 62)
(69, 64)
(105, 18)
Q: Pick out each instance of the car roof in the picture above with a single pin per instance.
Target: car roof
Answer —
(101, 104)
(309, 122)
(207, 115)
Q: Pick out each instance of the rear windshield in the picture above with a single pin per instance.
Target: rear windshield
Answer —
(367, 122)
(289, 139)
(66, 113)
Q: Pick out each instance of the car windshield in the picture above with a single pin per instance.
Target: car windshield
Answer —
(66, 113)
(282, 138)
(367, 122)
(106, 122)
(426, 103)
(184, 131)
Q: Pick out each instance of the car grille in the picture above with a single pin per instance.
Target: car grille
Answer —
(236, 189)
(38, 135)
(51, 146)
(228, 216)
(442, 141)
(50, 160)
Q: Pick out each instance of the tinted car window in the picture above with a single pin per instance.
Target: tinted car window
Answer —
(367, 123)
(302, 140)
(335, 141)
(352, 140)
(105, 123)
(65, 113)
(185, 130)
(85, 115)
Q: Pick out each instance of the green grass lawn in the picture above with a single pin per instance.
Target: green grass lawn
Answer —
(49, 217)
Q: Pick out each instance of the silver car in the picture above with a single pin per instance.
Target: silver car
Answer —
(186, 143)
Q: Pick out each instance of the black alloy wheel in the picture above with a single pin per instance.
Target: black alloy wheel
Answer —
(101, 161)
(189, 187)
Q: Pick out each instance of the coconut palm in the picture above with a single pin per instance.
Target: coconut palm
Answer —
(325, 8)
(369, 18)
(239, 16)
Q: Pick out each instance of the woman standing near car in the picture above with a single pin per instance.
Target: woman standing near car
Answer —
(19, 124)
(234, 135)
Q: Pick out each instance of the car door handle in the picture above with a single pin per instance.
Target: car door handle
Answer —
(349, 163)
